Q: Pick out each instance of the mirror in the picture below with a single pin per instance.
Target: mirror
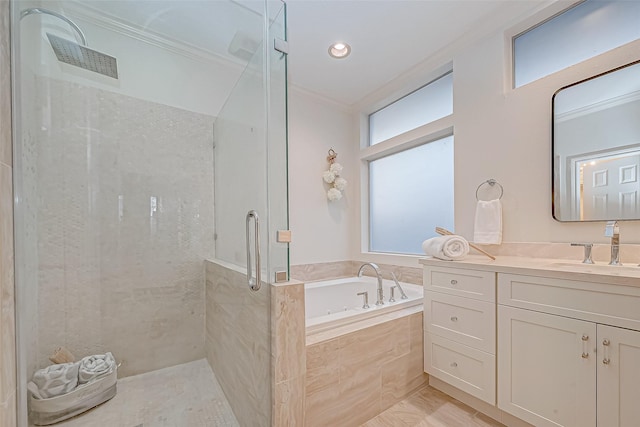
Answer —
(596, 147)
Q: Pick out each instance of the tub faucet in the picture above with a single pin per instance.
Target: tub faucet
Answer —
(395, 279)
(612, 230)
(380, 300)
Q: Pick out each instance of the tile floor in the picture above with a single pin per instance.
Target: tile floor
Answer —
(182, 395)
(429, 407)
(189, 395)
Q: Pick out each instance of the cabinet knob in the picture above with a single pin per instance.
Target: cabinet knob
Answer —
(606, 361)
(454, 365)
(606, 342)
(454, 282)
(585, 337)
(585, 355)
(454, 319)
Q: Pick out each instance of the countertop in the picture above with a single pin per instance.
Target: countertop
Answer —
(627, 275)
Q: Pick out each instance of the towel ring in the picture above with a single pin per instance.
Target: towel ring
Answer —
(492, 182)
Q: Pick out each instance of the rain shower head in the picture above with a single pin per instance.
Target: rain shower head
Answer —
(70, 52)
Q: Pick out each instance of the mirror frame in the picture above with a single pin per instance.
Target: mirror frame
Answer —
(553, 147)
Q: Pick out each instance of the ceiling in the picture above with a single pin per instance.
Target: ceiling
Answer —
(388, 37)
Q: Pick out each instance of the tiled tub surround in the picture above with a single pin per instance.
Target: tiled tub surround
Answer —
(7, 307)
(336, 269)
(332, 303)
(355, 372)
(119, 211)
(243, 349)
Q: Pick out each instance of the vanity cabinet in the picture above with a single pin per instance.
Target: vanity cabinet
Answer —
(568, 354)
(618, 377)
(546, 368)
(460, 329)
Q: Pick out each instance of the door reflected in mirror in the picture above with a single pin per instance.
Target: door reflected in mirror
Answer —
(596, 147)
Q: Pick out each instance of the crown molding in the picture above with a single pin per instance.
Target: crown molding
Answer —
(597, 106)
(94, 16)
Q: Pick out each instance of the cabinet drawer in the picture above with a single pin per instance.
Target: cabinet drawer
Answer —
(615, 305)
(464, 320)
(471, 370)
(474, 284)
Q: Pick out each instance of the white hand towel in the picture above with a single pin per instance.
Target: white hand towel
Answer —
(448, 248)
(96, 366)
(55, 380)
(488, 223)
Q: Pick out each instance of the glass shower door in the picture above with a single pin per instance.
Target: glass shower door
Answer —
(250, 176)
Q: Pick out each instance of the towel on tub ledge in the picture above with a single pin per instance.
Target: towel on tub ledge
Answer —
(448, 248)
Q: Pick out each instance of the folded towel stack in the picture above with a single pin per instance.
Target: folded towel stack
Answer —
(448, 248)
(488, 222)
(56, 380)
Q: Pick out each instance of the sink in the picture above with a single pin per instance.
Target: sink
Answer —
(597, 268)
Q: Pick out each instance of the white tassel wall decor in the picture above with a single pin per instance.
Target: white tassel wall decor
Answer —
(333, 178)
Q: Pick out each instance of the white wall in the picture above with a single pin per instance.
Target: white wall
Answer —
(505, 134)
(322, 231)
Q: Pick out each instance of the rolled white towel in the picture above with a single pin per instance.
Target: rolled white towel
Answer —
(96, 366)
(55, 380)
(448, 248)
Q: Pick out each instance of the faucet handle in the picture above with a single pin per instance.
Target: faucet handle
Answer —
(587, 252)
(611, 229)
(365, 298)
(392, 299)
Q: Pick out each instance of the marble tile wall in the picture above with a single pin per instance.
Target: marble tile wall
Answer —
(238, 342)
(288, 348)
(7, 302)
(352, 378)
(120, 225)
(337, 269)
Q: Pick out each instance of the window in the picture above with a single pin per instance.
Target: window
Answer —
(410, 193)
(582, 32)
(425, 105)
(411, 174)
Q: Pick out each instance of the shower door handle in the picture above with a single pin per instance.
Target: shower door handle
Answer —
(254, 284)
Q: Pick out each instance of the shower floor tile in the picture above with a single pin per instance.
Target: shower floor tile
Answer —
(186, 395)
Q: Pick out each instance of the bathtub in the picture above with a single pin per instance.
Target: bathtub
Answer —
(333, 303)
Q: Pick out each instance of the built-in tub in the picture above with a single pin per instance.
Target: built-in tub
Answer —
(358, 355)
(333, 303)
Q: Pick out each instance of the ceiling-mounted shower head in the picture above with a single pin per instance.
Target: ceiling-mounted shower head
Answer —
(70, 52)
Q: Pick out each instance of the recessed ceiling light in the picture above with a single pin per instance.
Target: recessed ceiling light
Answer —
(339, 50)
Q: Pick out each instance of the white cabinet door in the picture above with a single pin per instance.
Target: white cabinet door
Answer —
(546, 368)
(618, 377)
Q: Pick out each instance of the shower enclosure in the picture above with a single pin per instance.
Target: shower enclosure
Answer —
(145, 132)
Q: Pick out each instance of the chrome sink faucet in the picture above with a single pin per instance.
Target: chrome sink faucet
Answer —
(613, 230)
(375, 267)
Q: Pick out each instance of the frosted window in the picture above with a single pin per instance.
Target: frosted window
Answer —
(411, 194)
(430, 103)
(580, 33)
